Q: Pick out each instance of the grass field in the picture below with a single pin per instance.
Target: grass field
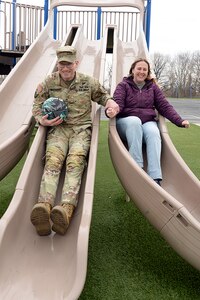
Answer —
(128, 259)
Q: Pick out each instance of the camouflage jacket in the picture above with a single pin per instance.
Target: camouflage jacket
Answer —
(77, 95)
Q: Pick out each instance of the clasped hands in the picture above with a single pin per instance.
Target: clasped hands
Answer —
(111, 108)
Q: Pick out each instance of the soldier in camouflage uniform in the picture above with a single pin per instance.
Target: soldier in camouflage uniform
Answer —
(66, 139)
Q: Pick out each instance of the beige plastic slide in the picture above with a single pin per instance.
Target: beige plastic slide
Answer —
(53, 267)
(174, 208)
(16, 98)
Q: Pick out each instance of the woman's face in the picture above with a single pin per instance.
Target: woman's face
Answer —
(140, 72)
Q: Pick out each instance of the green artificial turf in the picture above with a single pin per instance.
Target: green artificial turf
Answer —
(8, 184)
(127, 258)
(187, 142)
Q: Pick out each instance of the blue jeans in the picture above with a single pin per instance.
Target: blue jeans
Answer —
(134, 133)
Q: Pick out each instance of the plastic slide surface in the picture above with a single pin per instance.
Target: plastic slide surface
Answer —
(53, 267)
(16, 98)
(174, 208)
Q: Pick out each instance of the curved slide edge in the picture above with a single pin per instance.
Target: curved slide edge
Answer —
(12, 150)
(52, 267)
(101, 3)
(174, 208)
(16, 98)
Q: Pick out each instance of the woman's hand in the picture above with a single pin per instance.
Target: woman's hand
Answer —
(111, 112)
(54, 122)
(111, 109)
(186, 124)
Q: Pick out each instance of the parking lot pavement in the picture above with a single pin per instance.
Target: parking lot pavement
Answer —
(189, 109)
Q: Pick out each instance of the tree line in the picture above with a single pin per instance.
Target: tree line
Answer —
(178, 76)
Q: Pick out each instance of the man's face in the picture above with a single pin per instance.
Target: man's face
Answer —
(67, 69)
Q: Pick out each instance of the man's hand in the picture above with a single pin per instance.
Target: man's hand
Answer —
(54, 122)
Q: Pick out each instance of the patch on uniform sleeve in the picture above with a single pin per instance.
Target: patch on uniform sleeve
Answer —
(38, 90)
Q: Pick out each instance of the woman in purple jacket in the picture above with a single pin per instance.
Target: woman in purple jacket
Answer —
(138, 97)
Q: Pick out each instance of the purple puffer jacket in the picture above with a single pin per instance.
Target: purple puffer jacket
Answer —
(143, 103)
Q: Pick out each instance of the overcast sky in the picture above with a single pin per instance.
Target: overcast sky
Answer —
(175, 26)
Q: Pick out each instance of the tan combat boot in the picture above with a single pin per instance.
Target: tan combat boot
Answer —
(61, 216)
(40, 218)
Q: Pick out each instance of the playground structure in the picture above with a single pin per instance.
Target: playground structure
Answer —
(19, 131)
(172, 209)
(20, 25)
(47, 254)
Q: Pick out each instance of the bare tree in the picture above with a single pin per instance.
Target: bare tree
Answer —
(195, 77)
(159, 64)
(181, 70)
(179, 76)
(108, 73)
(160, 67)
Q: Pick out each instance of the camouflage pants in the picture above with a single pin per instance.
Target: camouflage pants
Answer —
(73, 145)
